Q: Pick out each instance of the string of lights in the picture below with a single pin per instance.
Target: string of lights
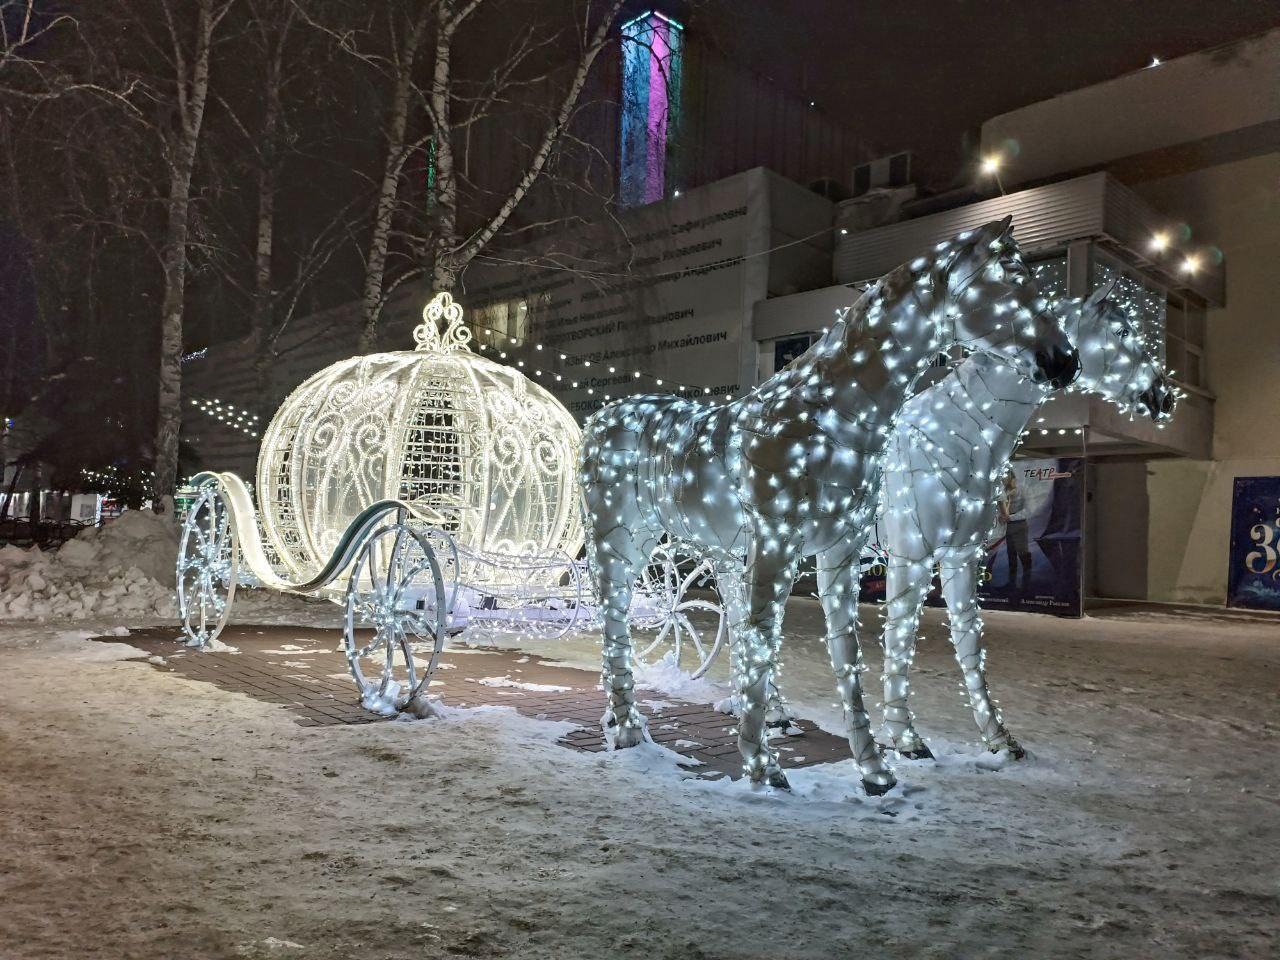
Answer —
(574, 360)
(567, 361)
(228, 414)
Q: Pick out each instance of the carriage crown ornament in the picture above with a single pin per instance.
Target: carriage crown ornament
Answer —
(429, 335)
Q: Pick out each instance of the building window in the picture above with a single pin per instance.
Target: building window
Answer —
(501, 324)
(788, 348)
(1184, 342)
(652, 60)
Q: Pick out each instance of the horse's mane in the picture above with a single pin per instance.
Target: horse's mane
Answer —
(893, 284)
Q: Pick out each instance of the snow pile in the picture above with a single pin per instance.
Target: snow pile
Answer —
(666, 677)
(523, 685)
(125, 568)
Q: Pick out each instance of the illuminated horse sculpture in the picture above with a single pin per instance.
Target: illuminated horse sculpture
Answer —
(792, 470)
(950, 449)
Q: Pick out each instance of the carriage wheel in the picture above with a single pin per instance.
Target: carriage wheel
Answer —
(692, 628)
(395, 589)
(208, 568)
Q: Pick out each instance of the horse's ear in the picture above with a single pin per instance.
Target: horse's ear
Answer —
(1100, 295)
(996, 231)
(970, 252)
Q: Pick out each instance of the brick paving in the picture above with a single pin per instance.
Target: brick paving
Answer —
(304, 671)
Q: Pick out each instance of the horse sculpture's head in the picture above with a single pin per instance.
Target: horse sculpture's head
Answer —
(992, 300)
(1115, 361)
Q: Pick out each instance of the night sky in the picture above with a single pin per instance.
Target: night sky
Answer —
(924, 74)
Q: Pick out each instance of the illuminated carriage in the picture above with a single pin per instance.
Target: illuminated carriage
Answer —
(426, 490)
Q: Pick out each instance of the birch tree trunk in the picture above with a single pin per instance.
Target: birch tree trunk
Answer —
(451, 255)
(192, 80)
(389, 186)
(264, 292)
(445, 224)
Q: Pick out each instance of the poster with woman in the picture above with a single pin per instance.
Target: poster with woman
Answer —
(1034, 553)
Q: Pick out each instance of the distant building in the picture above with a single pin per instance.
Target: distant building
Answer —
(1198, 139)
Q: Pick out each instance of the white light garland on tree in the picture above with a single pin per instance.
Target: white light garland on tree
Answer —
(438, 427)
(793, 470)
(949, 452)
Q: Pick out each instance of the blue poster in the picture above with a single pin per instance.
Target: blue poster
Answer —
(1253, 577)
(1034, 553)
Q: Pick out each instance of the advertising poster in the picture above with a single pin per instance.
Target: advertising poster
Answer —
(1253, 577)
(1034, 553)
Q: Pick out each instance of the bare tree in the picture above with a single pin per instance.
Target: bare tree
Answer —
(26, 29)
(273, 21)
(168, 62)
(452, 249)
(439, 85)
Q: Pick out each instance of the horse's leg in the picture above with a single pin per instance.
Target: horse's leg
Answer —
(730, 581)
(769, 579)
(960, 590)
(906, 586)
(731, 578)
(838, 590)
(617, 558)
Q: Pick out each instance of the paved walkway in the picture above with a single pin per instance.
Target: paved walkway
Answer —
(304, 671)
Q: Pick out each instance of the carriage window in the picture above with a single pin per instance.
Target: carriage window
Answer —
(435, 451)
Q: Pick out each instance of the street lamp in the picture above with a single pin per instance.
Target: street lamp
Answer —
(990, 167)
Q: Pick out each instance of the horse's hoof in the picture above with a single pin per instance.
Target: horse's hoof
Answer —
(920, 751)
(1016, 750)
(624, 737)
(777, 780)
(874, 789)
(620, 736)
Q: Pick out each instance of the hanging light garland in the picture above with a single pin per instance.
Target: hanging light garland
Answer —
(228, 414)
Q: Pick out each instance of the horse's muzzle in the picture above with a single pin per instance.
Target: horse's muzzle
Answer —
(1057, 367)
(1158, 400)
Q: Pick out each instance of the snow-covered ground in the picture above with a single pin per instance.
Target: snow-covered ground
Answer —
(147, 816)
